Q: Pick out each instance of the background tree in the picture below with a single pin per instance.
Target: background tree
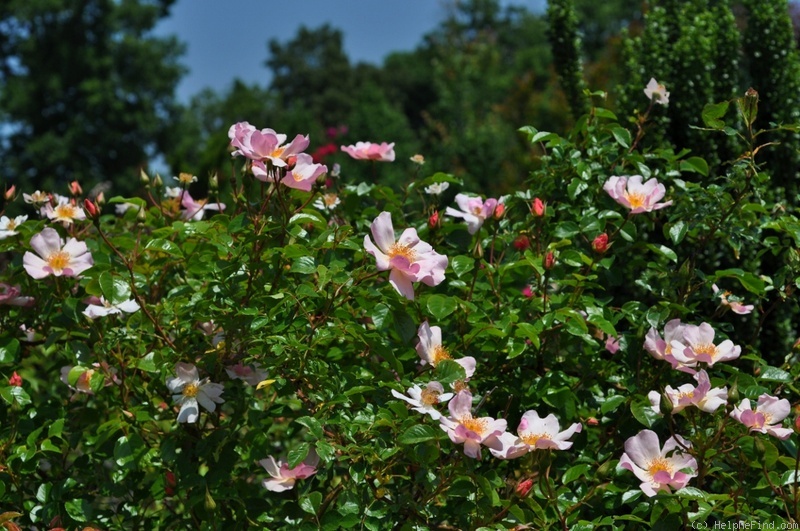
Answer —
(86, 90)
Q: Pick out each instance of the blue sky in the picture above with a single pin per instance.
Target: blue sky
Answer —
(227, 39)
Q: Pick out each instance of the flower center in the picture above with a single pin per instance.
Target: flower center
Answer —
(659, 465)
(460, 385)
(398, 249)
(12, 224)
(277, 152)
(190, 390)
(58, 260)
(636, 200)
(429, 397)
(330, 200)
(705, 348)
(65, 211)
(439, 353)
(532, 438)
(186, 178)
(476, 425)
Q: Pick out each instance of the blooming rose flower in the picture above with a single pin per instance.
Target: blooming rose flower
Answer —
(418, 159)
(426, 400)
(264, 145)
(698, 346)
(631, 193)
(734, 305)
(382, 152)
(409, 258)
(658, 468)
(661, 349)
(304, 174)
(93, 311)
(36, 198)
(766, 417)
(536, 433)
(251, 375)
(12, 296)
(612, 344)
(437, 188)
(283, 478)
(474, 210)
(462, 427)
(195, 209)
(327, 202)
(8, 226)
(431, 351)
(190, 390)
(656, 92)
(56, 257)
(64, 211)
(701, 396)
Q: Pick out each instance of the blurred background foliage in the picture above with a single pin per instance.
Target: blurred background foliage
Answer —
(103, 107)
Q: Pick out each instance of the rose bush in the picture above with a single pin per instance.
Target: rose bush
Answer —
(265, 301)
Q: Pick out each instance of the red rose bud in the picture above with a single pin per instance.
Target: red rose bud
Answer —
(527, 292)
(11, 193)
(15, 380)
(171, 483)
(537, 207)
(600, 244)
(433, 221)
(522, 243)
(75, 188)
(291, 161)
(796, 422)
(591, 421)
(91, 208)
(524, 487)
(549, 260)
(499, 210)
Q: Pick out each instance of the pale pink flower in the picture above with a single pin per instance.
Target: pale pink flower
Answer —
(631, 193)
(431, 351)
(536, 433)
(409, 258)
(734, 304)
(64, 211)
(612, 344)
(8, 226)
(697, 346)
(36, 198)
(195, 209)
(264, 145)
(327, 202)
(474, 210)
(251, 375)
(189, 391)
(766, 417)
(437, 188)
(103, 308)
(656, 92)
(661, 349)
(12, 296)
(382, 152)
(56, 257)
(425, 400)
(462, 427)
(304, 173)
(702, 396)
(283, 478)
(659, 468)
(83, 382)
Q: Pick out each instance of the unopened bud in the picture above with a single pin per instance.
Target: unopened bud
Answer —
(433, 221)
(141, 215)
(591, 421)
(549, 260)
(291, 161)
(524, 487)
(143, 177)
(15, 380)
(11, 193)
(666, 406)
(499, 211)
(733, 392)
(158, 182)
(603, 470)
(527, 292)
(91, 208)
(748, 106)
(100, 200)
(796, 422)
(522, 243)
(213, 182)
(600, 243)
(538, 208)
(75, 188)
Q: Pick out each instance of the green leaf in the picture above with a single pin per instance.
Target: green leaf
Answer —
(575, 472)
(643, 412)
(305, 265)
(15, 394)
(774, 374)
(677, 231)
(9, 348)
(311, 502)
(164, 246)
(696, 165)
(663, 250)
(313, 426)
(448, 371)
(712, 113)
(79, 510)
(749, 281)
(417, 434)
(462, 265)
(296, 455)
(621, 135)
(441, 306)
(114, 289)
(612, 403)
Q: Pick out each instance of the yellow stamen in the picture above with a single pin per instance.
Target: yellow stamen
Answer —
(532, 438)
(659, 464)
(705, 348)
(191, 390)
(66, 211)
(477, 425)
(398, 249)
(12, 224)
(636, 200)
(439, 353)
(58, 261)
(329, 199)
(429, 397)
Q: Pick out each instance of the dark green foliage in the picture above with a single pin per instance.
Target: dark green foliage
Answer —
(563, 35)
(86, 92)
